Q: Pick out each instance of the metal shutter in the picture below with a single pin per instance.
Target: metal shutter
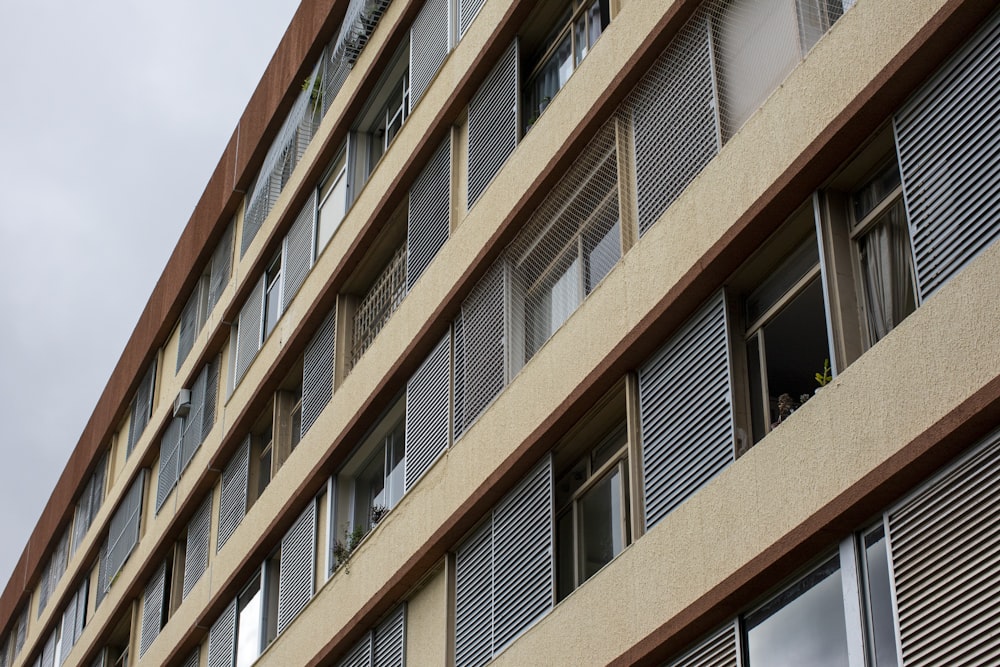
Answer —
(428, 46)
(193, 660)
(297, 568)
(389, 642)
(248, 331)
(211, 396)
(468, 9)
(473, 598)
(458, 375)
(73, 620)
(81, 515)
(719, 650)
(169, 468)
(523, 574)
(194, 424)
(686, 411)
(199, 532)
(360, 655)
(317, 371)
(152, 609)
(221, 267)
(233, 493)
(948, 140)
(943, 545)
(102, 574)
(123, 530)
(493, 123)
(188, 326)
(483, 342)
(298, 252)
(428, 223)
(48, 657)
(222, 639)
(428, 401)
(673, 111)
(142, 407)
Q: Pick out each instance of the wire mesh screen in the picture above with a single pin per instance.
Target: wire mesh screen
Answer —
(568, 245)
(379, 304)
(360, 22)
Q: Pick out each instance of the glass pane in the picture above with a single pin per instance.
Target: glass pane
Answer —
(875, 190)
(264, 472)
(802, 626)
(565, 577)
(332, 210)
(594, 22)
(770, 291)
(396, 459)
(606, 252)
(248, 626)
(580, 45)
(601, 522)
(878, 598)
(567, 485)
(550, 78)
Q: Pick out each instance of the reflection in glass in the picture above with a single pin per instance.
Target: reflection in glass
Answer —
(878, 599)
(601, 523)
(248, 626)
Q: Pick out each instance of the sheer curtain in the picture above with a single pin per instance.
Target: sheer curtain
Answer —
(885, 266)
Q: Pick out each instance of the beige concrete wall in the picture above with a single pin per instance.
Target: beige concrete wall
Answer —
(427, 621)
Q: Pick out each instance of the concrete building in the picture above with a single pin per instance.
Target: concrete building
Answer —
(563, 332)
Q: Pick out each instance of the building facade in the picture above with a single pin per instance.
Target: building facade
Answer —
(564, 332)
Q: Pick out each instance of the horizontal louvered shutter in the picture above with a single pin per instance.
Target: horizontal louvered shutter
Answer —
(233, 493)
(211, 398)
(193, 660)
(152, 609)
(48, 658)
(222, 638)
(674, 121)
(943, 543)
(390, 640)
(317, 371)
(142, 407)
(474, 598)
(169, 468)
(298, 252)
(194, 424)
(73, 620)
(123, 530)
(686, 411)
(493, 120)
(721, 649)
(188, 326)
(458, 375)
(428, 224)
(81, 515)
(523, 569)
(297, 568)
(483, 340)
(249, 327)
(948, 141)
(199, 533)
(360, 655)
(428, 46)
(221, 267)
(428, 400)
(102, 574)
(468, 9)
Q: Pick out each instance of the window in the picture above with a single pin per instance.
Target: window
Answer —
(257, 618)
(332, 201)
(578, 24)
(786, 338)
(383, 118)
(272, 295)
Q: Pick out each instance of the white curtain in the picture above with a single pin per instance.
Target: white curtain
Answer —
(885, 266)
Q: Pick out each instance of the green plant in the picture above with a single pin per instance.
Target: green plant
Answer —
(342, 550)
(824, 378)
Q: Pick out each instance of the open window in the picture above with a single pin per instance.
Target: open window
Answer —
(256, 613)
(386, 111)
(275, 433)
(333, 201)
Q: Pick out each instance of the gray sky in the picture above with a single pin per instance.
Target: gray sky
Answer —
(113, 116)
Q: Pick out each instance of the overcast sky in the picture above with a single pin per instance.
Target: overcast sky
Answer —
(113, 115)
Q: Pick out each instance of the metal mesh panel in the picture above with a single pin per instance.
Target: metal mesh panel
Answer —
(360, 20)
(567, 246)
(390, 640)
(428, 400)
(673, 114)
(297, 569)
(189, 326)
(428, 46)
(468, 9)
(493, 123)
(152, 609)
(522, 555)
(474, 599)
(199, 532)
(943, 544)
(721, 649)
(249, 327)
(233, 493)
(360, 655)
(222, 639)
(220, 267)
(142, 407)
(298, 252)
(123, 529)
(335, 71)
(379, 304)
(483, 343)
(194, 425)
(428, 223)
(686, 412)
(194, 659)
(169, 469)
(948, 140)
(317, 371)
